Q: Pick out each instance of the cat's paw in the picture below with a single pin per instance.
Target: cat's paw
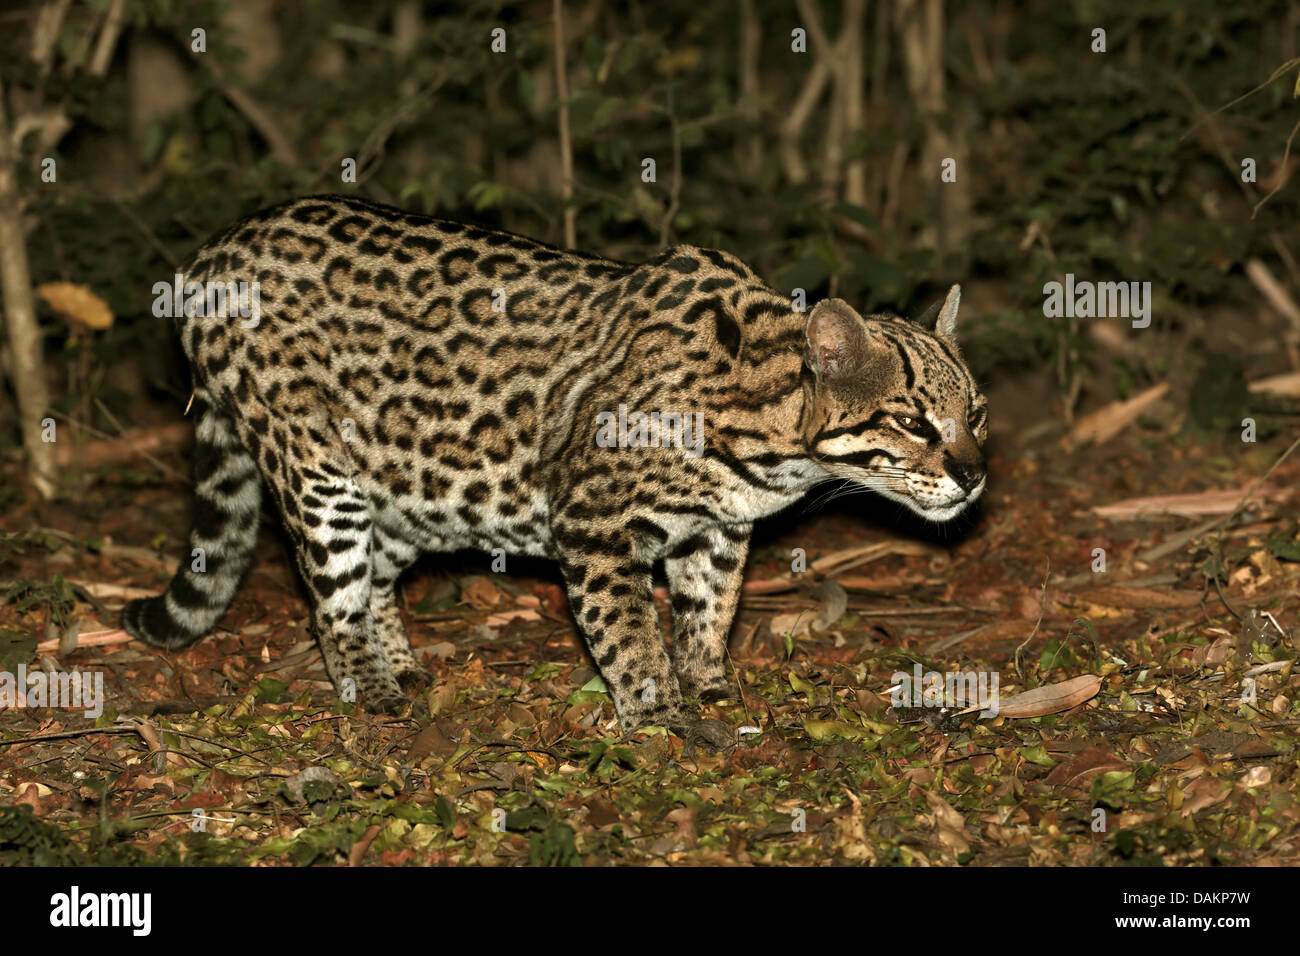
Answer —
(388, 704)
(395, 705)
(414, 681)
(706, 683)
(711, 734)
(715, 692)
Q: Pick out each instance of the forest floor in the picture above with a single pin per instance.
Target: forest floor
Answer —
(1174, 740)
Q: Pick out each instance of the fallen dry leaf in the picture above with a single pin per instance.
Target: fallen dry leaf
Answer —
(1214, 653)
(1051, 698)
(1203, 792)
(684, 819)
(950, 824)
(1256, 777)
(432, 740)
(1078, 771)
(502, 618)
(480, 593)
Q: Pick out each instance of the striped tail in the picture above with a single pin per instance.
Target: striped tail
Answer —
(228, 499)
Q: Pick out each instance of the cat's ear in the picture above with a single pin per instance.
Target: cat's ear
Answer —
(837, 340)
(941, 318)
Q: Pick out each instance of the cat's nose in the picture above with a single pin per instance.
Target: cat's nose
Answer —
(967, 474)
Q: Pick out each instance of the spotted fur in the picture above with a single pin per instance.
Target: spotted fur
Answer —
(471, 371)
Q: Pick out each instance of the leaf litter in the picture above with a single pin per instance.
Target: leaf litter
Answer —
(1146, 714)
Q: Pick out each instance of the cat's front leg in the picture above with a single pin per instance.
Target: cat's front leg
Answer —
(612, 599)
(704, 577)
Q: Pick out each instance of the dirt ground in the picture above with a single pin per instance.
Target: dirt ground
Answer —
(1158, 724)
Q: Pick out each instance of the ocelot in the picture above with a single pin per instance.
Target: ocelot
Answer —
(409, 384)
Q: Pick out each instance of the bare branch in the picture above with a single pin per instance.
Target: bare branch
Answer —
(749, 154)
(45, 34)
(114, 20)
(281, 149)
(566, 144)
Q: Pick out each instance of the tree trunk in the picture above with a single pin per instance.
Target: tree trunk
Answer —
(26, 352)
(920, 26)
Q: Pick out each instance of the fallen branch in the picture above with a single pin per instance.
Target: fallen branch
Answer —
(1286, 385)
(1105, 423)
(92, 639)
(1189, 505)
(839, 561)
(1185, 537)
(1270, 288)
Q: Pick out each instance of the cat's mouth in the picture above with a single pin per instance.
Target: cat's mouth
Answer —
(936, 509)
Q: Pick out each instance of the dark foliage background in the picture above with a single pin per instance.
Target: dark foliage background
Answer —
(1109, 166)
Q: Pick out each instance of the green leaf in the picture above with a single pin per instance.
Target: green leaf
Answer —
(1284, 544)
(269, 690)
(317, 791)
(592, 54)
(801, 686)
(822, 729)
(554, 846)
(16, 647)
(882, 280)
(524, 81)
(807, 273)
(1111, 787)
(445, 812)
(1037, 755)
(1055, 654)
(527, 818)
(859, 214)
(485, 195)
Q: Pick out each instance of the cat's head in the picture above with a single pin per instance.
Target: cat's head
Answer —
(892, 406)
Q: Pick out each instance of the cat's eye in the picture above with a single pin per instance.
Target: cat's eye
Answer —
(914, 425)
(976, 418)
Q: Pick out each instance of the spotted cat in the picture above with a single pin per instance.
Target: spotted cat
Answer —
(410, 384)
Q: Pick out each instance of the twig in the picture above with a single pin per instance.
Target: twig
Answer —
(1220, 147)
(792, 129)
(1281, 173)
(1272, 290)
(1281, 70)
(373, 149)
(148, 233)
(166, 469)
(68, 734)
(1284, 254)
(271, 131)
(1263, 478)
(1270, 668)
(1042, 607)
(512, 747)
